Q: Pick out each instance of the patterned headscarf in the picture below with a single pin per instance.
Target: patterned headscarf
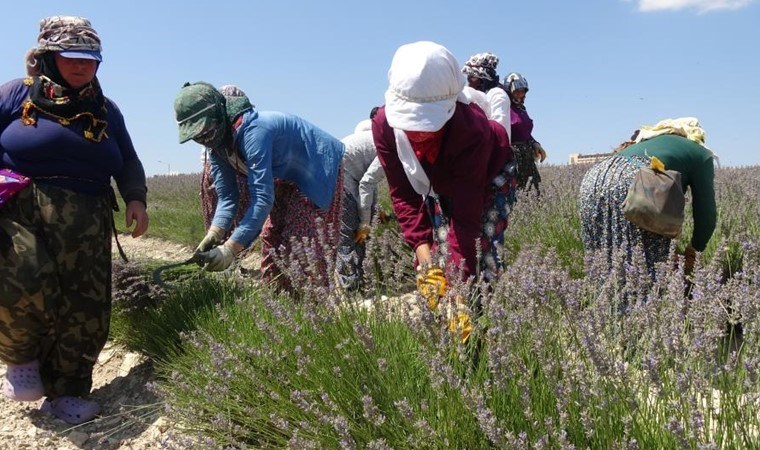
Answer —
(237, 101)
(482, 66)
(236, 104)
(49, 93)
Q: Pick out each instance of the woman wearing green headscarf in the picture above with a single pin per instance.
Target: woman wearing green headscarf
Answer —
(293, 170)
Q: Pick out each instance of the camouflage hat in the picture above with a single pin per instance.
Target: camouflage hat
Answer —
(198, 106)
(71, 36)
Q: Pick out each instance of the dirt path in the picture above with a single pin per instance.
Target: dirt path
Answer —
(131, 417)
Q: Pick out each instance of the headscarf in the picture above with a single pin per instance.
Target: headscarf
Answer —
(483, 67)
(236, 101)
(49, 93)
(236, 104)
(513, 82)
(424, 82)
(424, 85)
(203, 111)
(687, 127)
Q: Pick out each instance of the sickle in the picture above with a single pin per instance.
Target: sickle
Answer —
(196, 258)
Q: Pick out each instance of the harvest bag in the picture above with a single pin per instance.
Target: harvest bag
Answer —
(11, 183)
(655, 200)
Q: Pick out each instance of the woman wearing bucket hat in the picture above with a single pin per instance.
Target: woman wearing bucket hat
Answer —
(448, 167)
(293, 170)
(61, 143)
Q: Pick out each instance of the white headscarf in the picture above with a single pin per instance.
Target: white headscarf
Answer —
(364, 125)
(424, 84)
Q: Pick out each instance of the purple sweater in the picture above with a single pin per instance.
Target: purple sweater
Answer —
(522, 125)
(49, 152)
(474, 150)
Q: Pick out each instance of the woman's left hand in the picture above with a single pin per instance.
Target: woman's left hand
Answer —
(136, 213)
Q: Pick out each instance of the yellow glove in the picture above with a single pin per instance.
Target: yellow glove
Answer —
(538, 152)
(461, 321)
(657, 165)
(361, 234)
(432, 286)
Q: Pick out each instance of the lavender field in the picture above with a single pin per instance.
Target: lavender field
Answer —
(564, 355)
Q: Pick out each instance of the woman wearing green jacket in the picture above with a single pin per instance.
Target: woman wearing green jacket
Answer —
(605, 186)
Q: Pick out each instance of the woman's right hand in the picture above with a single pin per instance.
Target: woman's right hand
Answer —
(137, 214)
(212, 239)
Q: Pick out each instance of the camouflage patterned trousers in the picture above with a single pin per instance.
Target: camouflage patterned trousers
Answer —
(55, 284)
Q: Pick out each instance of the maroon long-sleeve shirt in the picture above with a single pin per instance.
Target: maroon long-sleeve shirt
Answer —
(474, 150)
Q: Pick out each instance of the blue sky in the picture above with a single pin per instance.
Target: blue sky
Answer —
(598, 69)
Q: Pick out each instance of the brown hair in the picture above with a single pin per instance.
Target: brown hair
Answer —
(623, 146)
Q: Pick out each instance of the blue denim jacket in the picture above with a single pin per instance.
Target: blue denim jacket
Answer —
(275, 145)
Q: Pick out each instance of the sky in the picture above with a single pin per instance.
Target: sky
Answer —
(597, 69)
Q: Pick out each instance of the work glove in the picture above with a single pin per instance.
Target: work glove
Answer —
(461, 323)
(538, 152)
(218, 258)
(432, 286)
(459, 319)
(361, 234)
(211, 240)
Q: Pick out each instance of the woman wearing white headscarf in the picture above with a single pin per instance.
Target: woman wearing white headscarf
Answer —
(449, 168)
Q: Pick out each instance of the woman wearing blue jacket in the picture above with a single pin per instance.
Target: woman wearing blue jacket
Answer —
(293, 169)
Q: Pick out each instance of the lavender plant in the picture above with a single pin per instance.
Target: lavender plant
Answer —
(565, 353)
(132, 289)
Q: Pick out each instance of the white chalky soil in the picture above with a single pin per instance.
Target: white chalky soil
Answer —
(119, 385)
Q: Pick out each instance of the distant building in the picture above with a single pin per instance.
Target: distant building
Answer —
(577, 158)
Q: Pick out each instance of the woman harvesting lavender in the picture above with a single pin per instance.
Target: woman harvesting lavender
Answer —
(679, 145)
(293, 170)
(449, 168)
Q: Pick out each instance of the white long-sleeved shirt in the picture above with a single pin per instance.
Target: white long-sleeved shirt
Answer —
(495, 103)
(362, 172)
(498, 101)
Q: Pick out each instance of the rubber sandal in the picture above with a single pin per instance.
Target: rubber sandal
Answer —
(72, 410)
(23, 383)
